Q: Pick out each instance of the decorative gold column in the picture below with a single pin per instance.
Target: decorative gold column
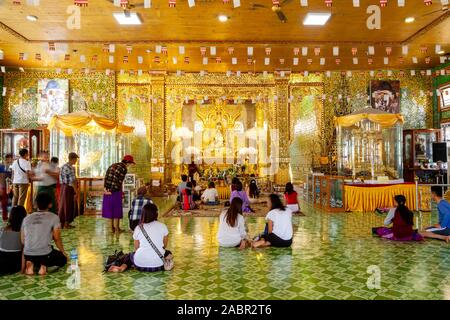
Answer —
(282, 124)
(158, 126)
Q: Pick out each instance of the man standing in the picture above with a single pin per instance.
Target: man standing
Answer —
(5, 177)
(21, 174)
(67, 210)
(442, 229)
(112, 199)
(47, 175)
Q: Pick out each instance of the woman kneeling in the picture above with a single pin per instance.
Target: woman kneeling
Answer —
(279, 225)
(150, 241)
(402, 223)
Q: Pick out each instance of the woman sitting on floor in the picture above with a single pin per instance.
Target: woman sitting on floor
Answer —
(10, 243)
(291, 198)
(145, 257)
(402, 223)
(210, 196)
(187, 197)
(232, 226)
(196, 190)
(279, 229)
(240, 193)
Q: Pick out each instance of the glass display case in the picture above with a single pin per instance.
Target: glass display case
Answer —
(97, 151)
(418, 154)
(369, 145)
(12, 140)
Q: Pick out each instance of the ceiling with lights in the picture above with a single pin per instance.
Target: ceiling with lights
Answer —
(224, 35)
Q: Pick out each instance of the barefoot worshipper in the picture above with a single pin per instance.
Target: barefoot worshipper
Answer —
(112, 198)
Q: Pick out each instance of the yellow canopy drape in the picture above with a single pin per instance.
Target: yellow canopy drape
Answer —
(86, 122)
(385, 120)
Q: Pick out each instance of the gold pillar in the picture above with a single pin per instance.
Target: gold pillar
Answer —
(158, 126)
(282, 124)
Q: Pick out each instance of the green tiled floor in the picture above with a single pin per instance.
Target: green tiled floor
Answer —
(328, 260)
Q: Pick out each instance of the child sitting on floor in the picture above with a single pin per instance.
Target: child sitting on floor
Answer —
(210, 196)
(402, 223)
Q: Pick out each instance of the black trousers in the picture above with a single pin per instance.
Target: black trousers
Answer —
(54, 258)
(10, 262)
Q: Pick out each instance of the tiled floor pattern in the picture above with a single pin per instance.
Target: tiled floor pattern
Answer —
(328, 260)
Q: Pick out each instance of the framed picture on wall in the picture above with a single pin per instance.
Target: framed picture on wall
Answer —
(385, 95)
(130, 180)
(53, 99)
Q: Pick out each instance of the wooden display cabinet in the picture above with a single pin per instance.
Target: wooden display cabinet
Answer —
(329, 193)
(418, 148)
(12, 140)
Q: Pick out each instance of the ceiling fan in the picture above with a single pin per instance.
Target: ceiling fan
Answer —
(275, 8)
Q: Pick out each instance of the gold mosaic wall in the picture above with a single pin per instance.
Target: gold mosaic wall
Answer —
(93, 91)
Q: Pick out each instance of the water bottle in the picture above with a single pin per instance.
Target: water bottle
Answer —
(73, 261)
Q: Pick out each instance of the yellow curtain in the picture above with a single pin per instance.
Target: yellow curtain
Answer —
(367, 199)
(86, 122)
(385, 120)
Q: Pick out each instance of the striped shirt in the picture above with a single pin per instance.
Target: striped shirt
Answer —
(67, 174)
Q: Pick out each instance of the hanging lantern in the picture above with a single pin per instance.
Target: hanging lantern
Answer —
(316, 51)
(268, 51)
(354, 51)
(67, 57)
(38, 56)
(81, 3)
(125, 59)
(296, 51)
(428, 2)
(186, 60)
(203, 51)
(172, 3)
(388, 50)
(129, 49)
(164, 50)
(51, 46)
(329, 3)
(218, 59)
(230, 50)
(383, 3)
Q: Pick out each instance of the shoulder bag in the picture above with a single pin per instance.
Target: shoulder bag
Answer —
(168, 263)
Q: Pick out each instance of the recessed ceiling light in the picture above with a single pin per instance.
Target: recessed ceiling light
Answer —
(223, 18)
(32, 18)
(131, 18)
(316, 19)
(410, 19)
(441, 52)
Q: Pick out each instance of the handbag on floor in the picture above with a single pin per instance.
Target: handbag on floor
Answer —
(116, 259)
(168, 263)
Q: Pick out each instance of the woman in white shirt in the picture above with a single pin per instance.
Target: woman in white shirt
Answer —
(210, 196)
(232, 226)
(279, 225)
(145, 258)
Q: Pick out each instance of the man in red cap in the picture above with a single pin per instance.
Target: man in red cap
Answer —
(112, 198)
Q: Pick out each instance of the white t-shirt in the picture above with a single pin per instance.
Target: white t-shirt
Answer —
(210, 195)
(282, 223)
(145, 256)
(21, 177)
(231, 236)
(46, 179)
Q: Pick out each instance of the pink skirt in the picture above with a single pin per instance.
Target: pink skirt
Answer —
(112, 206)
